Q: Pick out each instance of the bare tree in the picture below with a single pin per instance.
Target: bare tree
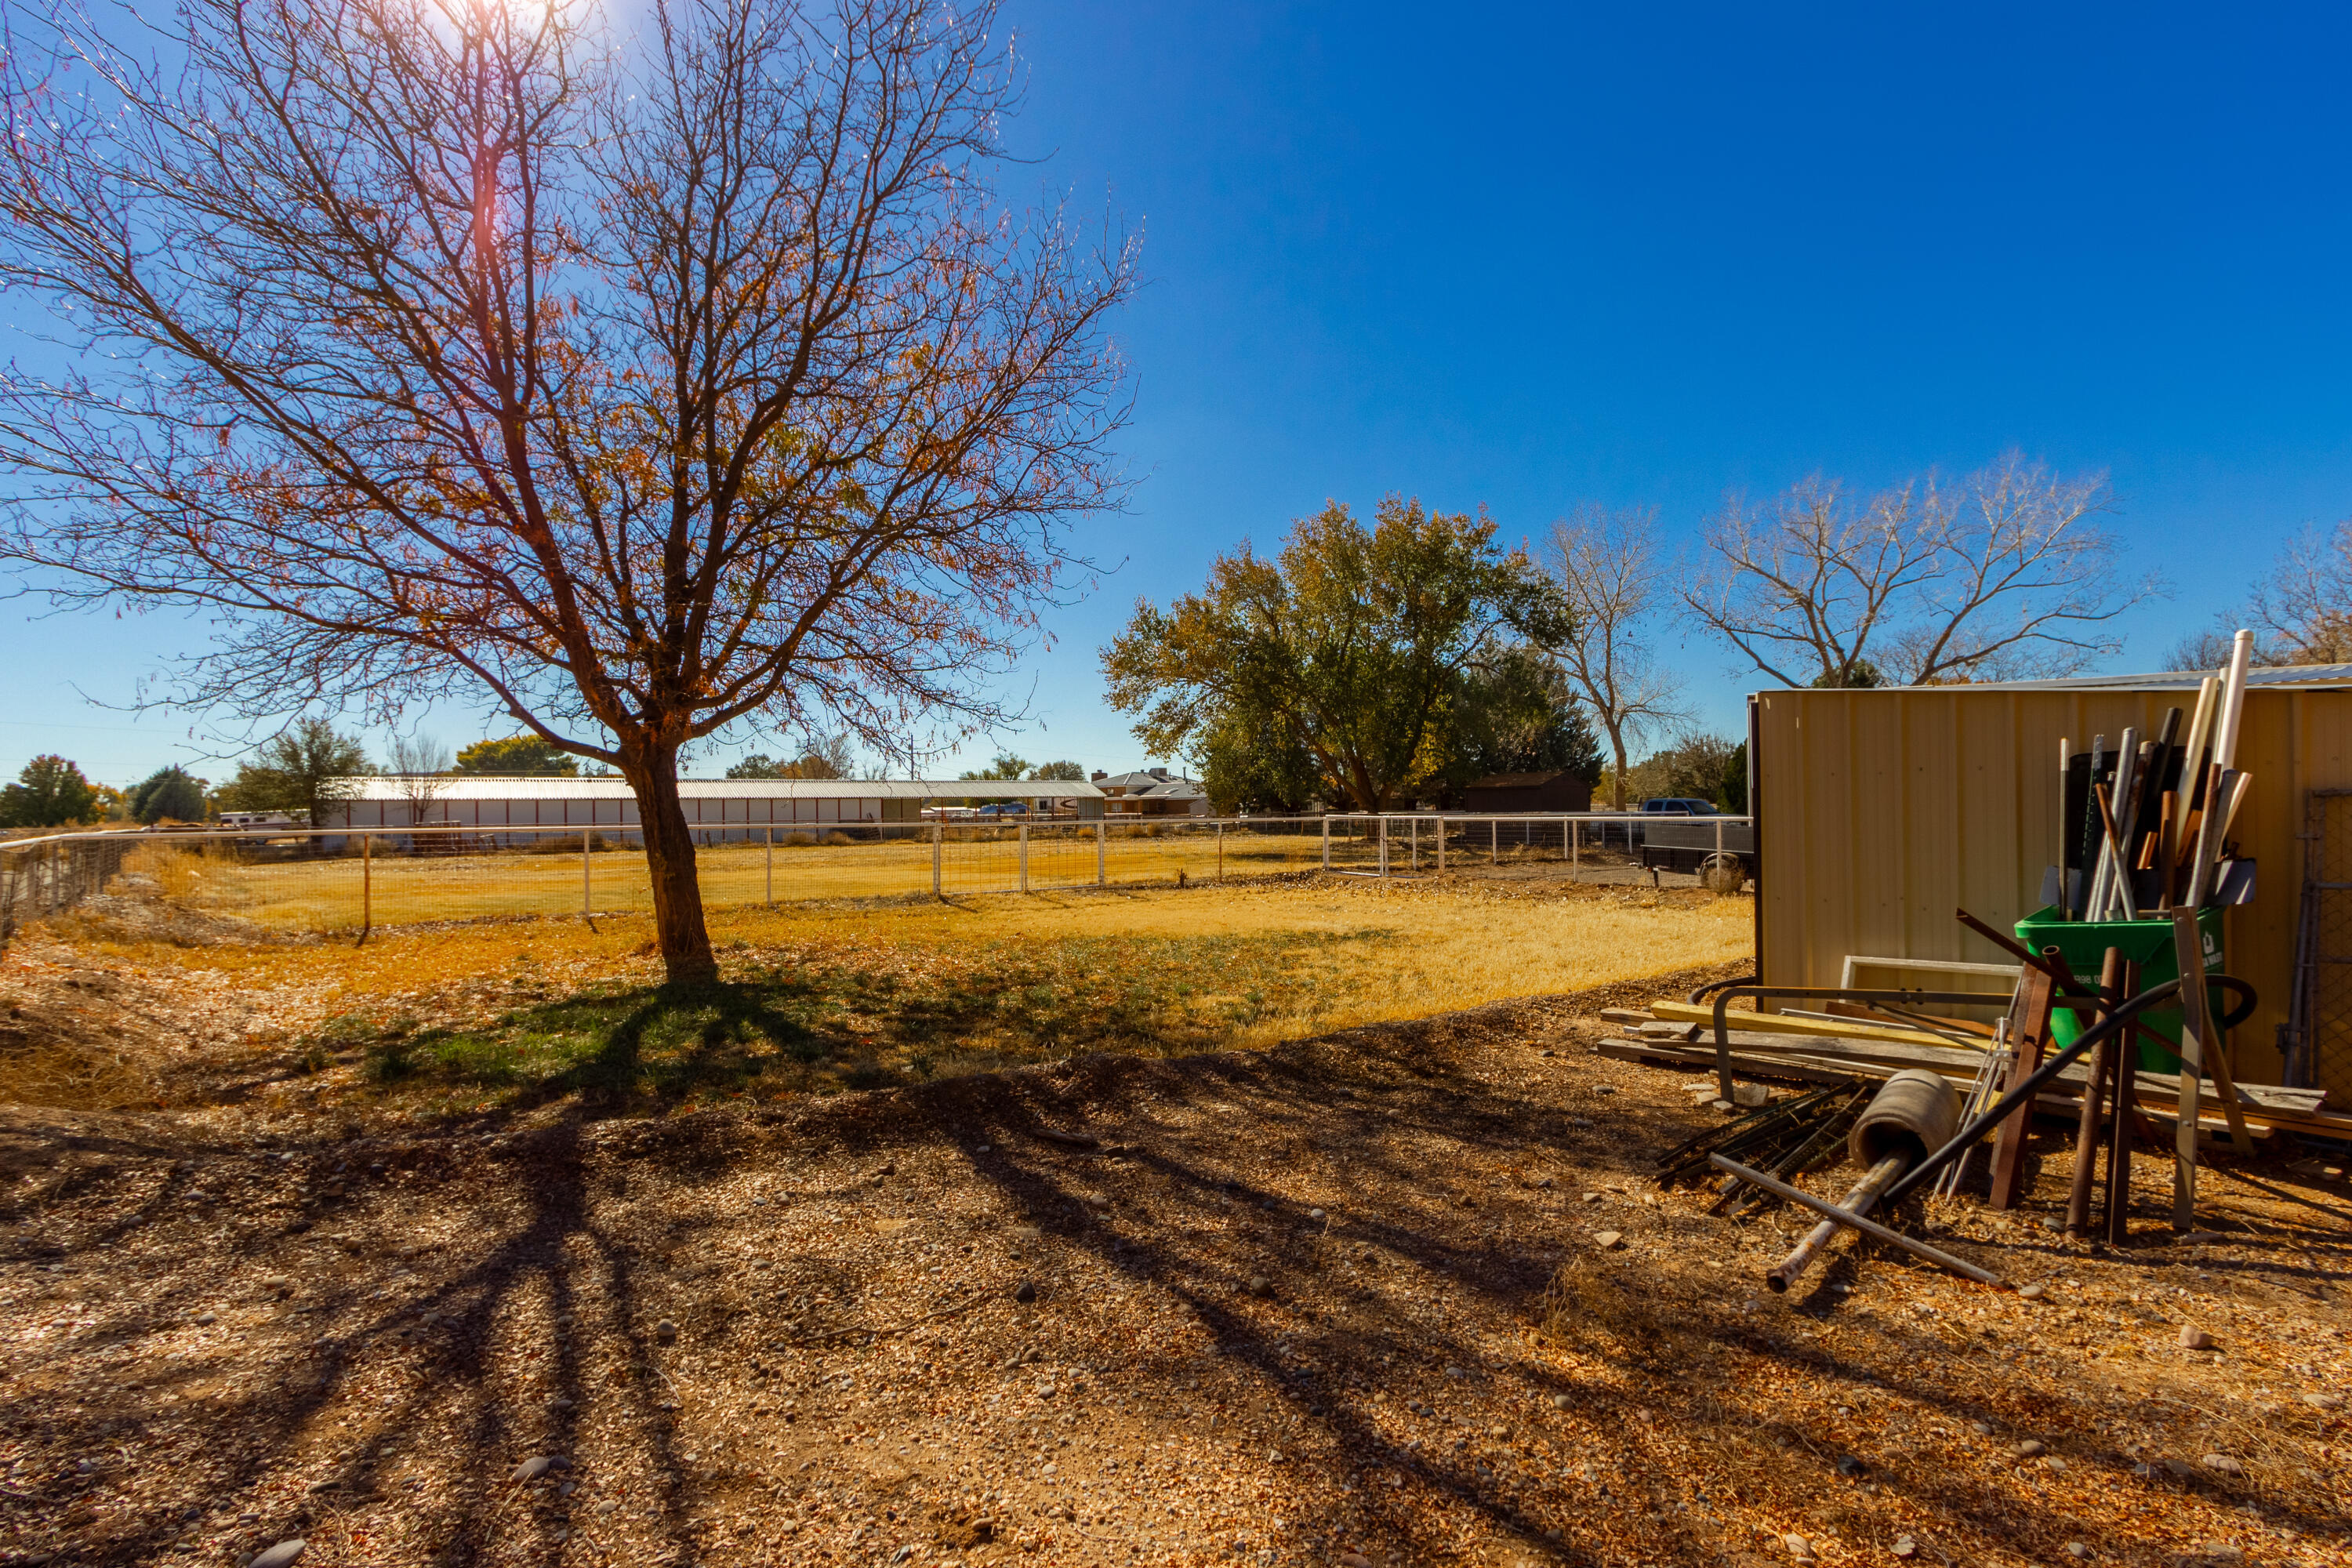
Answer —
(1607, 564)
(419, 768)
(2303, 613)
(2010, 575)
(650, 387)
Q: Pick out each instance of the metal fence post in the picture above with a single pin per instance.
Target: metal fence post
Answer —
(1441, 843)
(1384, 846)
(1221, 852)
(57, 885)
(772, 866)
(1099, 827)
(1024, 854)
(1494, 842)
(585, 908)
(367, 887)
(1413, 834)
(1575, 841)
(939, 832)
(1327, 841)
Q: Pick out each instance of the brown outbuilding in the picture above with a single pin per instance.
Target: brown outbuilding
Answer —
(1504, 792)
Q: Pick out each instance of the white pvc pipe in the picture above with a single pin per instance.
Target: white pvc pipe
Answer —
(2233, 699)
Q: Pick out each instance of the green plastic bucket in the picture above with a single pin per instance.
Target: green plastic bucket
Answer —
(2148, 943)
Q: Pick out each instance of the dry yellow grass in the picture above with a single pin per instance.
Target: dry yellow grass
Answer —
(394, 889)
(1416, 948)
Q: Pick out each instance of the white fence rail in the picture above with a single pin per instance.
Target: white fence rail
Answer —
(355, 879)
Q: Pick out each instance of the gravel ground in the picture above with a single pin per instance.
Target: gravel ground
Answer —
(1346, 1302)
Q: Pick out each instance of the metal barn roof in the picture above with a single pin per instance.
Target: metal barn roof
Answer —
(2284, 677)
(496, 787)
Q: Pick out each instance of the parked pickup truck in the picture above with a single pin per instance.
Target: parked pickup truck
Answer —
(1676, 805)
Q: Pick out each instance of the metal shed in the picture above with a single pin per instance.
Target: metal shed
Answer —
(491, 801)
(1881, 812)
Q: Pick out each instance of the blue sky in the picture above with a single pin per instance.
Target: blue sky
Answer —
(1527, 258)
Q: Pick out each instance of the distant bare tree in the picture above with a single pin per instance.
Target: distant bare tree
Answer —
(2009, 575)
(419, 763)
(1607, 567)
(2303, 613)
(647, 388)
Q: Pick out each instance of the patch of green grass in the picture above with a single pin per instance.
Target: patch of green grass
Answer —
(825, 1018)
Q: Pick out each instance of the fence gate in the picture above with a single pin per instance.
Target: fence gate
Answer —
(2321, 1028)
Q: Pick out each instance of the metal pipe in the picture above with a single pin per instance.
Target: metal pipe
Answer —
(1863, 1193)
(2023, 1093)
(2086, 1131)
(1854, 1221)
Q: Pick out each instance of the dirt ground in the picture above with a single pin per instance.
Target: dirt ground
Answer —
(1346, 1301)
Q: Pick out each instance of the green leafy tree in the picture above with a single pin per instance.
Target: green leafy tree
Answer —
(300, 773)
(1699, 767)
(1520, 715)
(1246, 769)
(1005, 766)
(526, 756)
(824, 757)
(1356, 647)
(170, 793)
(1066, 771)
(50, 792)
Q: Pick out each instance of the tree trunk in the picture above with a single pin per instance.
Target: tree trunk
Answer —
(1617, 783)
(669, 863)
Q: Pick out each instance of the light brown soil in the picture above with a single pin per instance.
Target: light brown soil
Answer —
(1335, 1303)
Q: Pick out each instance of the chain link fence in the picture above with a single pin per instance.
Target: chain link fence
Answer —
(352, 880)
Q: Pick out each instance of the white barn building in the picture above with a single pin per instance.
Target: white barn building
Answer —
(738, 808)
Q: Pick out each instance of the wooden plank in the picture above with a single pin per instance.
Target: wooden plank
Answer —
(1784, 1024)
(2028, 1030)
(1799, 1067)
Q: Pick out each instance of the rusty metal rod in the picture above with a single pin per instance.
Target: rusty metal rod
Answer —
(1853, 1221)
(2086, 1131)
(1783, 1274)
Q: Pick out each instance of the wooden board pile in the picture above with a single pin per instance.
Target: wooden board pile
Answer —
(1823, 1048)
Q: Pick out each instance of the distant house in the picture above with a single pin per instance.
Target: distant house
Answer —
(1506, 793)
(1151, 792)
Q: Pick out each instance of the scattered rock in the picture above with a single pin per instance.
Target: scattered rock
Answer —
(1798, 1547)
(1313, 1214)
(1559, 1401)
(2195, 1338)
(2323, 1401)
(1498, 1431)
(281, 1555)
(1750, 1094)
(2031, 1448)
(1607, 1240)
(1025, 1292)
(666, 1331)
(2200, 1238)
(206, 1319)
(2030, 1293)
(2078, 1550)
(1981, 1428)
(2223, 1464)
(1851, 1468)
(540, 1465)
(1905, 1547)
(1259, 1285)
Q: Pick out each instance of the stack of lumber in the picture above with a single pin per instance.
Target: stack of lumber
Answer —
(1814, 1048)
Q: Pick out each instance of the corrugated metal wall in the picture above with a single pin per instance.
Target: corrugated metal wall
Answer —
(1882, 812)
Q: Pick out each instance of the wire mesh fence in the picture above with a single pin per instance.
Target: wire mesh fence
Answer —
(2324, 945)
(354, 880)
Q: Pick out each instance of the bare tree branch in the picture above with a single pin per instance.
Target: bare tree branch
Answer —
(647, 391)
(2009, 577)
(1607, 564)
